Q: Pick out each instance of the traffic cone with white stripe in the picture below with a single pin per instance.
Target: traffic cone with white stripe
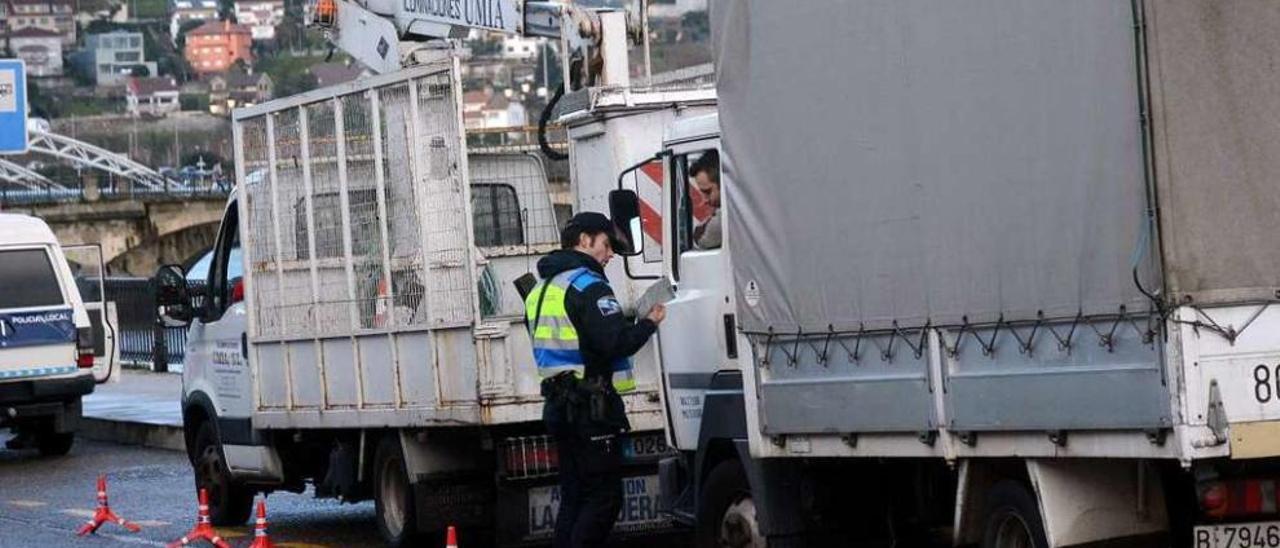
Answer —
(451, 538)
(104, 514)
(260, 538)
(203, 529)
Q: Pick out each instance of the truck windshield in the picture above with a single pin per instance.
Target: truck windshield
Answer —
(27, 279)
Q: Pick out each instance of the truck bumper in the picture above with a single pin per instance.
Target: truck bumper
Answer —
(43, 399)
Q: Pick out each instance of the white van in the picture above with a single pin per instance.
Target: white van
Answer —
(46, 339)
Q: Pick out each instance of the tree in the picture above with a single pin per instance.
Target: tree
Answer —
(294, 82)
(140, 71)
(289, 75)
(227, 10)
(192, 101)
(99, 26)
(292, 32)
(42, 106)
(174, 65)
(485, 46)
(61, 173)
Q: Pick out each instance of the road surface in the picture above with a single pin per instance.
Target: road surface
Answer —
(44, 500)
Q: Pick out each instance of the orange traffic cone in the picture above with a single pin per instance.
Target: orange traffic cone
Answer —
(104, 514)
(203, 529)
(451, 538)
(260, 538)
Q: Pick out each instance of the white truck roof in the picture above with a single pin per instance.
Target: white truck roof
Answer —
(692, 128)
(16, 228)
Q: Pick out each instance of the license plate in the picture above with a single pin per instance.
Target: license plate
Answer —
(1239, 535)
(1250, 388)
(639, 507)
(646, 445)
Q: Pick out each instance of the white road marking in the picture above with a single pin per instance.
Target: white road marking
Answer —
(71, 533)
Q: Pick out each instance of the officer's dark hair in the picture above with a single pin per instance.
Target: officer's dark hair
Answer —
(569, 236)
(708, 162)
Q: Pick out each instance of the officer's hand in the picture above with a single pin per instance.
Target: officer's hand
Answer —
(658, 313)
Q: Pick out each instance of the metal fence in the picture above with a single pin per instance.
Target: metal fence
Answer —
(336, 192)
(139, 328)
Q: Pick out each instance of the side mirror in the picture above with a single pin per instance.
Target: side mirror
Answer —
(173, 300)
(624, 210)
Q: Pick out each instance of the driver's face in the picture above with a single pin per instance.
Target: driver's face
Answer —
(708, 188)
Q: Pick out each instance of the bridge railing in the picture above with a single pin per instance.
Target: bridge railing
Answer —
(124, 190)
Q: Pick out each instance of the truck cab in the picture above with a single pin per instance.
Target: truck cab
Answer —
(676, 199)
(227, 454)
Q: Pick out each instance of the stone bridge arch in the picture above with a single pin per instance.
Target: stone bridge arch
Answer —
(136, 236)
(174, 247)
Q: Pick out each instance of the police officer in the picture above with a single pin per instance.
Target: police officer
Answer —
(582, 344)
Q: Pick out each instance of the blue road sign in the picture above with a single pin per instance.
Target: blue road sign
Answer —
(13, 106)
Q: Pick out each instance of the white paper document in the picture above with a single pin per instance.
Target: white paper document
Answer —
(659, 293)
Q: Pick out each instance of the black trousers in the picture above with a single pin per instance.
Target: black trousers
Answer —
(590, 486)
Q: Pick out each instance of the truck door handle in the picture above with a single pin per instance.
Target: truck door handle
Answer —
(730, 340)
(244, 345)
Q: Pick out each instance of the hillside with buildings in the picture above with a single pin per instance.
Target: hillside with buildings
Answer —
(167, 67)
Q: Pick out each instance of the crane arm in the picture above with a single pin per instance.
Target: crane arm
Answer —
(386, 35)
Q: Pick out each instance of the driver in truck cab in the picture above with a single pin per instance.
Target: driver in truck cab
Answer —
(582, 344)
(705, 172)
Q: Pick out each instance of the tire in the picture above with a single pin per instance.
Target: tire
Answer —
(54, 444)
(726, 511)
(229, 502)
(1012, 518)
(394, 508)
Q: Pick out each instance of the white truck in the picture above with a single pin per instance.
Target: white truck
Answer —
(375, 346)
(1001, 273)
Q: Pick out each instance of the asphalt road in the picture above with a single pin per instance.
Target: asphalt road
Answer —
(44, 500)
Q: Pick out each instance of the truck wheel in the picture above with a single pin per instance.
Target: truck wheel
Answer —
(1013, 518)
(229, 502)
(54, 444)
(393, 496)
(727, 513)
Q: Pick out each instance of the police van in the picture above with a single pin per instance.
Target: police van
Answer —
(46, 339)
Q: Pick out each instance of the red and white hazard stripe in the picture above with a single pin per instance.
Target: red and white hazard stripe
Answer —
(649, 190)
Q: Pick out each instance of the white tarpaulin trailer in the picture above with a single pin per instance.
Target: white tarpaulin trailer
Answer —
(990, 173)
(1216, 107)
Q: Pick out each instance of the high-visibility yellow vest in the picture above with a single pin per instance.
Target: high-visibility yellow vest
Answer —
(555, 340)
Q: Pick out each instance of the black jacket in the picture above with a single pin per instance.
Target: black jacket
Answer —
(604, 334)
